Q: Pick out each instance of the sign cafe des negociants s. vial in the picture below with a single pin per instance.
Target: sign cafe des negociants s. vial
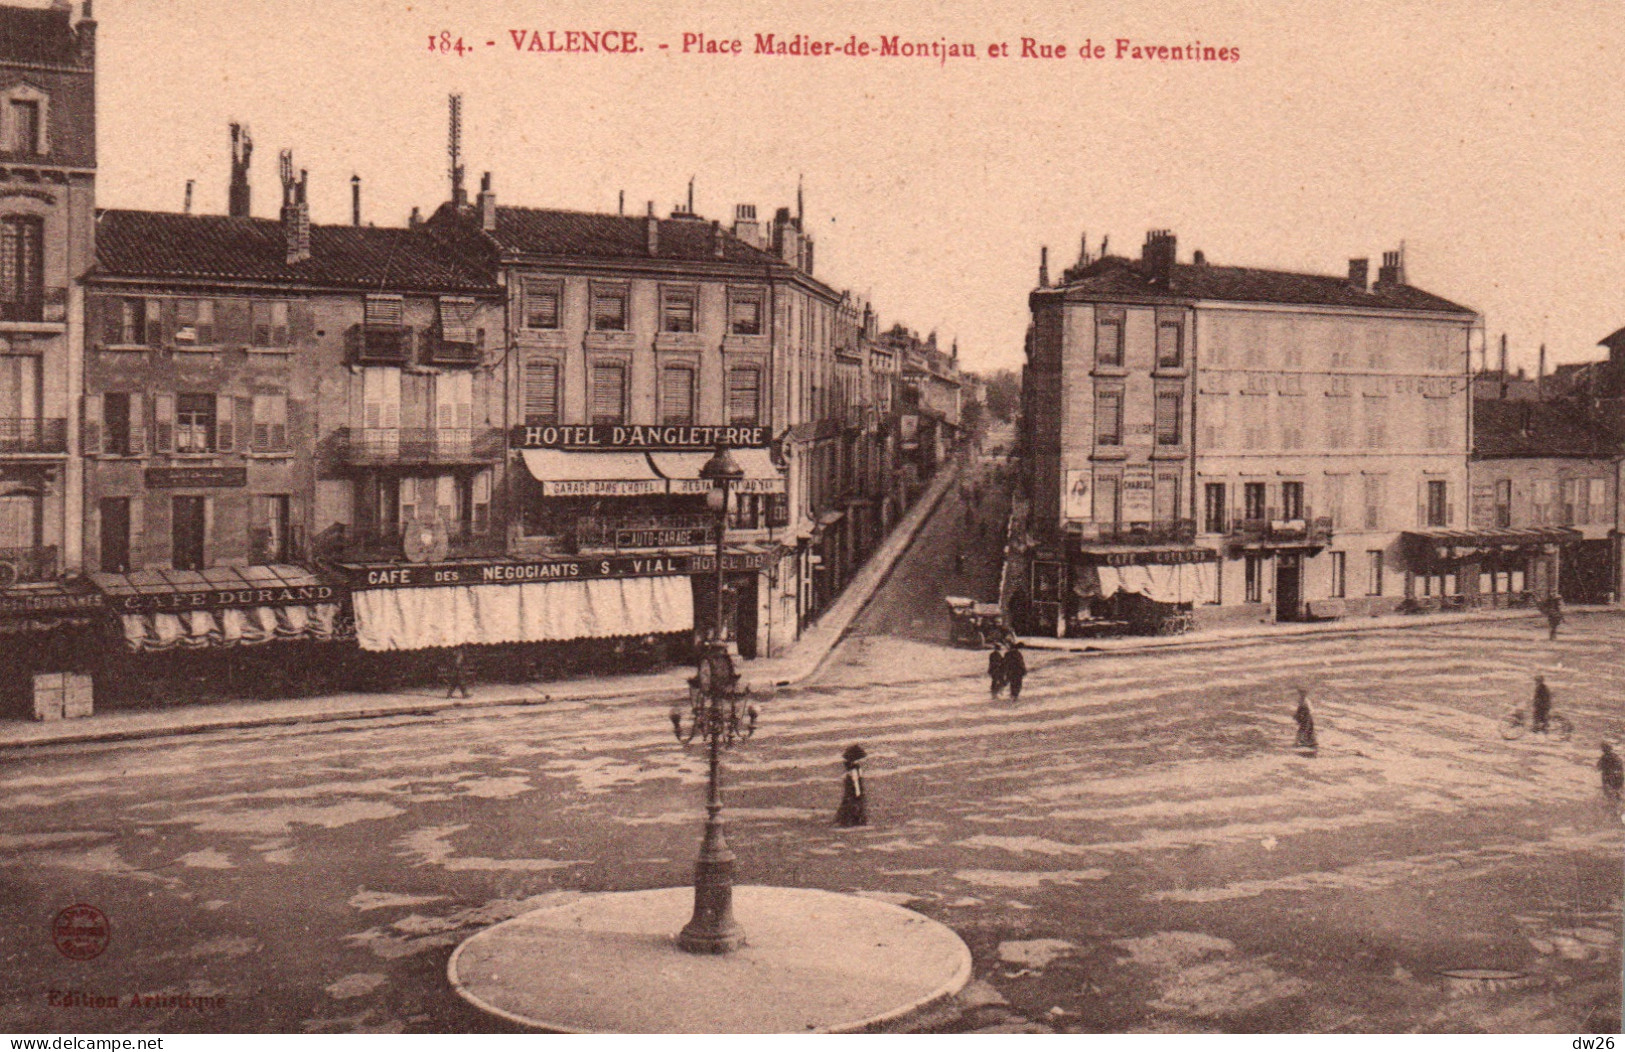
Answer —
(654, 438)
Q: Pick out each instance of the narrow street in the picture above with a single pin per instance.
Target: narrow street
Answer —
(1133, 846)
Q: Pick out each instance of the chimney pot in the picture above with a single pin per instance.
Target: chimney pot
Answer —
(652, 230)
(716, 237)
(488, 204)
(355, 200)
(1199, 259)
(1043, 266)
(1359, 271)
(189, 183)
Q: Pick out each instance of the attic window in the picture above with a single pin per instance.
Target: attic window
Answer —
(457, 319)
(385, 311)
(24, 121)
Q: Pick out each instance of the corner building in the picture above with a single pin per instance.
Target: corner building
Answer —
(1213, 445)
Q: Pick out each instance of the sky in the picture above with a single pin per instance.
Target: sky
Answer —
(1484, 137)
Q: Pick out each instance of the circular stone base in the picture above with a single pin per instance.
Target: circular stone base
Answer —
(813, 961)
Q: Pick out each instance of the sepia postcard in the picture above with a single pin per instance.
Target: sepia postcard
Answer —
(718, 518)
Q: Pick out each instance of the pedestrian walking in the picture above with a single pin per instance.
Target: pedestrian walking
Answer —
(854, 809)
(1552, 607)
(995, 668)
(1015, 668)
(1306, 722)
(959, 562)
(1540, 710)
(1613, 772)
(458, 686)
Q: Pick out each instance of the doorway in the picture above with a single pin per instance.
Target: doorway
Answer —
(187, 532)
(1288, 587)
(115, 534)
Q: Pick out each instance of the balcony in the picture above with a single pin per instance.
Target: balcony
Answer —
(642, 532)
(1276, 532)
(1173, 531)
(364, 544)
(42, 305)
(33, 434)
(379, 344)
(398, 446)
(27, 565)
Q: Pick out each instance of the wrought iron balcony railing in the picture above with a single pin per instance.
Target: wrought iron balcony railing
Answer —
(1172, 531)
(1307, 531)
(381, 344)
(33, 434)
(27, 565)
(382, 446)
(387, 543)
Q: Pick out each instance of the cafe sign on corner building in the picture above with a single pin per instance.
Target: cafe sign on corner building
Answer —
(663, 438)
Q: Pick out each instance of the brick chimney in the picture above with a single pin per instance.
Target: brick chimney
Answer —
(242, 151)
(746, 227)
(1043, 267)
(1392, 271)
(295, 210)
(355, 199)
(85, 31)
(1359, 274)
(488, 204)
(652, 228)
(716, 238)
(1157, 256)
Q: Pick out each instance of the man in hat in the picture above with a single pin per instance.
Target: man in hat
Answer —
(1015, 667)
(1552, 607)
(995, 668)
(1540, 710)
(1613, 772)
(854, 809)
(458, 675)
(1306, 722)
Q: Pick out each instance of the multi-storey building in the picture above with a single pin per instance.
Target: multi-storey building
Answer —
(1242, 443)
(47, 204)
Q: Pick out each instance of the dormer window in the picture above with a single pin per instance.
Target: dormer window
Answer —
(23, 121)
(25, 126)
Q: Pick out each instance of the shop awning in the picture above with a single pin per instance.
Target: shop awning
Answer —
(1143, 555)
(1446, 544)
(221, 606)
(571, 474)
(1182, 583)
(417, 618)
(683, 471)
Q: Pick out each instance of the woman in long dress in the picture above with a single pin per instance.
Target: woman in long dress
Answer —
(854, 810)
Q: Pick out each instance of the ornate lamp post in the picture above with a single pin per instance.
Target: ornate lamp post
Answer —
(720, 714)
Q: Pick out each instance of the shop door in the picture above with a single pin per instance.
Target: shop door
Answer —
(115, 534)
(187, 529)
(1288, 587)
(744, 592)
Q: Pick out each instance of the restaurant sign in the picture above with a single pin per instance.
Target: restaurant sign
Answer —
(429, 575)
(199, 478)
(664, 438)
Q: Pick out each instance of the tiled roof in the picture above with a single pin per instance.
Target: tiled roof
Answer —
(38, 36)
(169, 245)
(551, 232)
(1504, 428)
(1116, 276)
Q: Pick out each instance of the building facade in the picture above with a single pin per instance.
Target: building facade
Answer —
(1234, 444)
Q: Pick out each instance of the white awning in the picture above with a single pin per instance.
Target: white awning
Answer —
(569, 474)
(534, 612)
(233, 626)
(1182, 583)
(683, 471)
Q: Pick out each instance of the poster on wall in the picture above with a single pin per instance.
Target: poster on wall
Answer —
(1076, 504)
(1137, 492)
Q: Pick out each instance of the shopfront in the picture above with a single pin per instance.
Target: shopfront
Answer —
(1123, 589)
(1474, 569)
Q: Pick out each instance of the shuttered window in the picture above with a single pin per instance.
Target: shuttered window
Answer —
(677, 310)
(270, 421)
(385, 310)
(744, 313)
(270, 323)
(457, 318)
(609, 308)
(744, 396)
(541, 304)
(677, 395)
(541, 393)
(1109, 418)
(1170, 411)
(1168, 345)
(1109, 340)
(608, 394)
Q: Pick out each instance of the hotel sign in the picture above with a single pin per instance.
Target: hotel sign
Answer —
(196, 478)
(656, 438)
(429, 575)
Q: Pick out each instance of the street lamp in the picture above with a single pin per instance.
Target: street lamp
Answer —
(717, 716)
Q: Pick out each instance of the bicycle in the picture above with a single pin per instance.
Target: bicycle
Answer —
(1517, 723)
(1176, 625)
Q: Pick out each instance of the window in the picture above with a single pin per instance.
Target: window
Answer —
(188, 525)
(1109, 418)
(1374, 499)
(1291, 500)
(744, 312)
(1503, 503)
(1109, 340)
(269, 319)
(1436, 414)
(677, 309)
(1170, 418)
(1568, 508)
(1339, 413)
(116, 425)
(1169, 354)
(194, 323)
(22, 268)
(1214, 509)
(1597, 499)
(1336, 492)
(1108, 502)
(194, 423)
(1376, 349)
(270, 423)
(1543, 502)
(677, 395)
(115, 534)
(609, 308)
(1255, 421)
(1213, 416)
(379, 312)
(1254, 565)
(541, 393)
(25, 127)
(130, 322)
(1254, 506)
(1376, 421)
(1373, 573)
(268, 533)
(1340, 575)
(541, 305)
(1437, 511)
(1166, 495)
(1292, 421)
(744, 396)
(608, 394)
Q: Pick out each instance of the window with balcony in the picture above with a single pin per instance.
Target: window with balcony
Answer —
(609, 312)
(194, 423)
(677, 395)
(1170, 354)
(541, 304)
(1597, 500)
(1437, 504)
(1291, 500)
(1166, 495)
(1215, 512)
(608, 394)
(678, 309)
(1170, 418)
(744, 396)
(22, 268)
(1109, 340)
(745, 312)
(1254, 501)
(541, 393)
(1109, 418)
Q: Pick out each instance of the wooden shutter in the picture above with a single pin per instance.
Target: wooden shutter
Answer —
(301, 323)
(541, 391)
(231, 322)
(138, 428)
(677, 395)
(608, 391)
(163, 417)
(90, 435)
(384, 310)
(744, 395)
(225, 431)
(154, 323)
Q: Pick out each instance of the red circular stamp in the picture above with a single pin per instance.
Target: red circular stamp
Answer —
(80, 932)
